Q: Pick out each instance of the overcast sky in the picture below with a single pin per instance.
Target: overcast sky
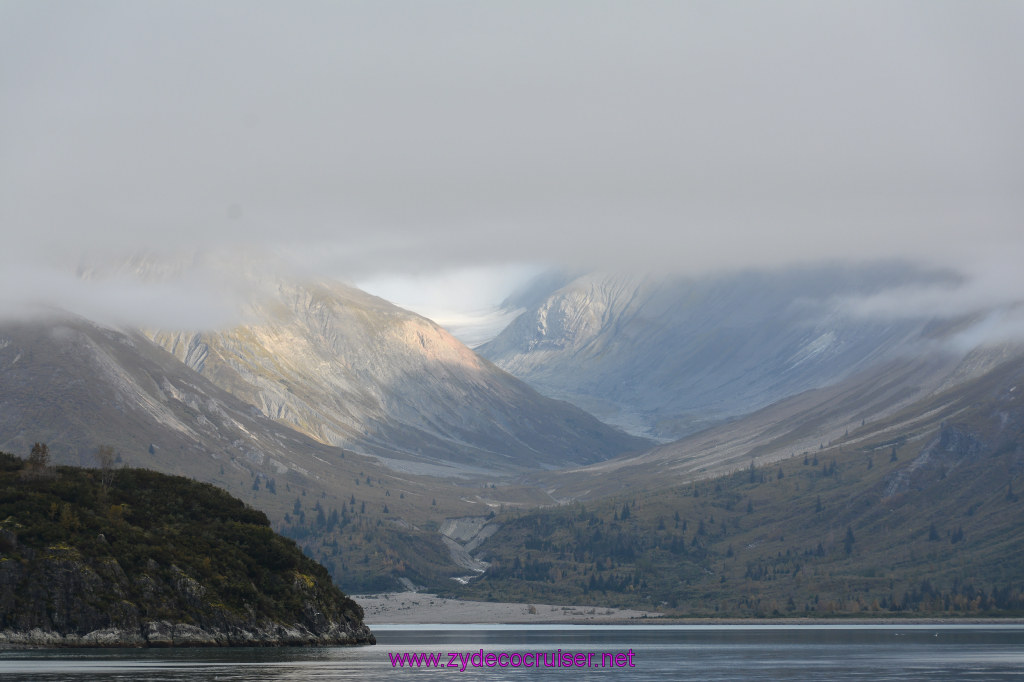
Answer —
(379, 140)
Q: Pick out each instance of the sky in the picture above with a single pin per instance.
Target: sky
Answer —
(451, 148)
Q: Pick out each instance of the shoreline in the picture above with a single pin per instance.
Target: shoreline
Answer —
(418, 608)
(174, 635)
(422, 608)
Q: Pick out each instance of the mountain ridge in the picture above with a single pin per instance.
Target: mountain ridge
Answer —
(352, 370)
(666, 357)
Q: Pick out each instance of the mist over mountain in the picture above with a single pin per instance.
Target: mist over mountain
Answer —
(715, 179)
(352, 370)
(401, 436)
(668, 356)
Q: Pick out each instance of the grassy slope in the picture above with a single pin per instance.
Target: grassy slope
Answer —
(920, 516)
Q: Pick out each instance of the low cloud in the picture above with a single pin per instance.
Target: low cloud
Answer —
(988, 295)
(1003, 325)
(195, 298)
(372, 139)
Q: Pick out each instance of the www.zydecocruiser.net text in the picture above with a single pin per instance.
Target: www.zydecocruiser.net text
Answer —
(463, 660)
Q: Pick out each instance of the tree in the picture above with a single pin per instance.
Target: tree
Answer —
(39, 456)
(106, 458)
(849, 540)
(39, 462)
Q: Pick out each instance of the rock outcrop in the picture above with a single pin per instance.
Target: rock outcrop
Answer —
(60, 599)
(154, 560)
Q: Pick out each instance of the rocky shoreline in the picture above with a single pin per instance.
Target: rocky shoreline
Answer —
(167, 634)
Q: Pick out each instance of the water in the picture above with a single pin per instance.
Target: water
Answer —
(664, 652)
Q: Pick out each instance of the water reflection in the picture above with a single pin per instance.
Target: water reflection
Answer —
(660, 653)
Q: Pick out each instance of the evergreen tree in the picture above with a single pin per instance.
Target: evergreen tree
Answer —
(39, 459)
(848, 540)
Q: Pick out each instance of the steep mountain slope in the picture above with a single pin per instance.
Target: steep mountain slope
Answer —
(904, 395)
(75, 386)
(352, 370)
(667, 357)
(919, 513)
(801, 423)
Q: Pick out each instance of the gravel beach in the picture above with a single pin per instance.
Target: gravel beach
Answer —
(418, 607)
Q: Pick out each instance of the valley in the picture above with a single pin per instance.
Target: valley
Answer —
(918, 515)
(785, 458)
(666, 357)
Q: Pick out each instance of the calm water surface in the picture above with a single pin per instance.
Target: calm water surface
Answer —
(666, 652)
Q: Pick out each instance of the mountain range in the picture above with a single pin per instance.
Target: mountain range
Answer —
(357, 372)
(666, 357)
(395, 455)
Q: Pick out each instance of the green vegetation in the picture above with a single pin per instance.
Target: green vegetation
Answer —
(150, 547)
(886, 529)
(368, 550)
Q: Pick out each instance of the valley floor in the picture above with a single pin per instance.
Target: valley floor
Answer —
(418, 607)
